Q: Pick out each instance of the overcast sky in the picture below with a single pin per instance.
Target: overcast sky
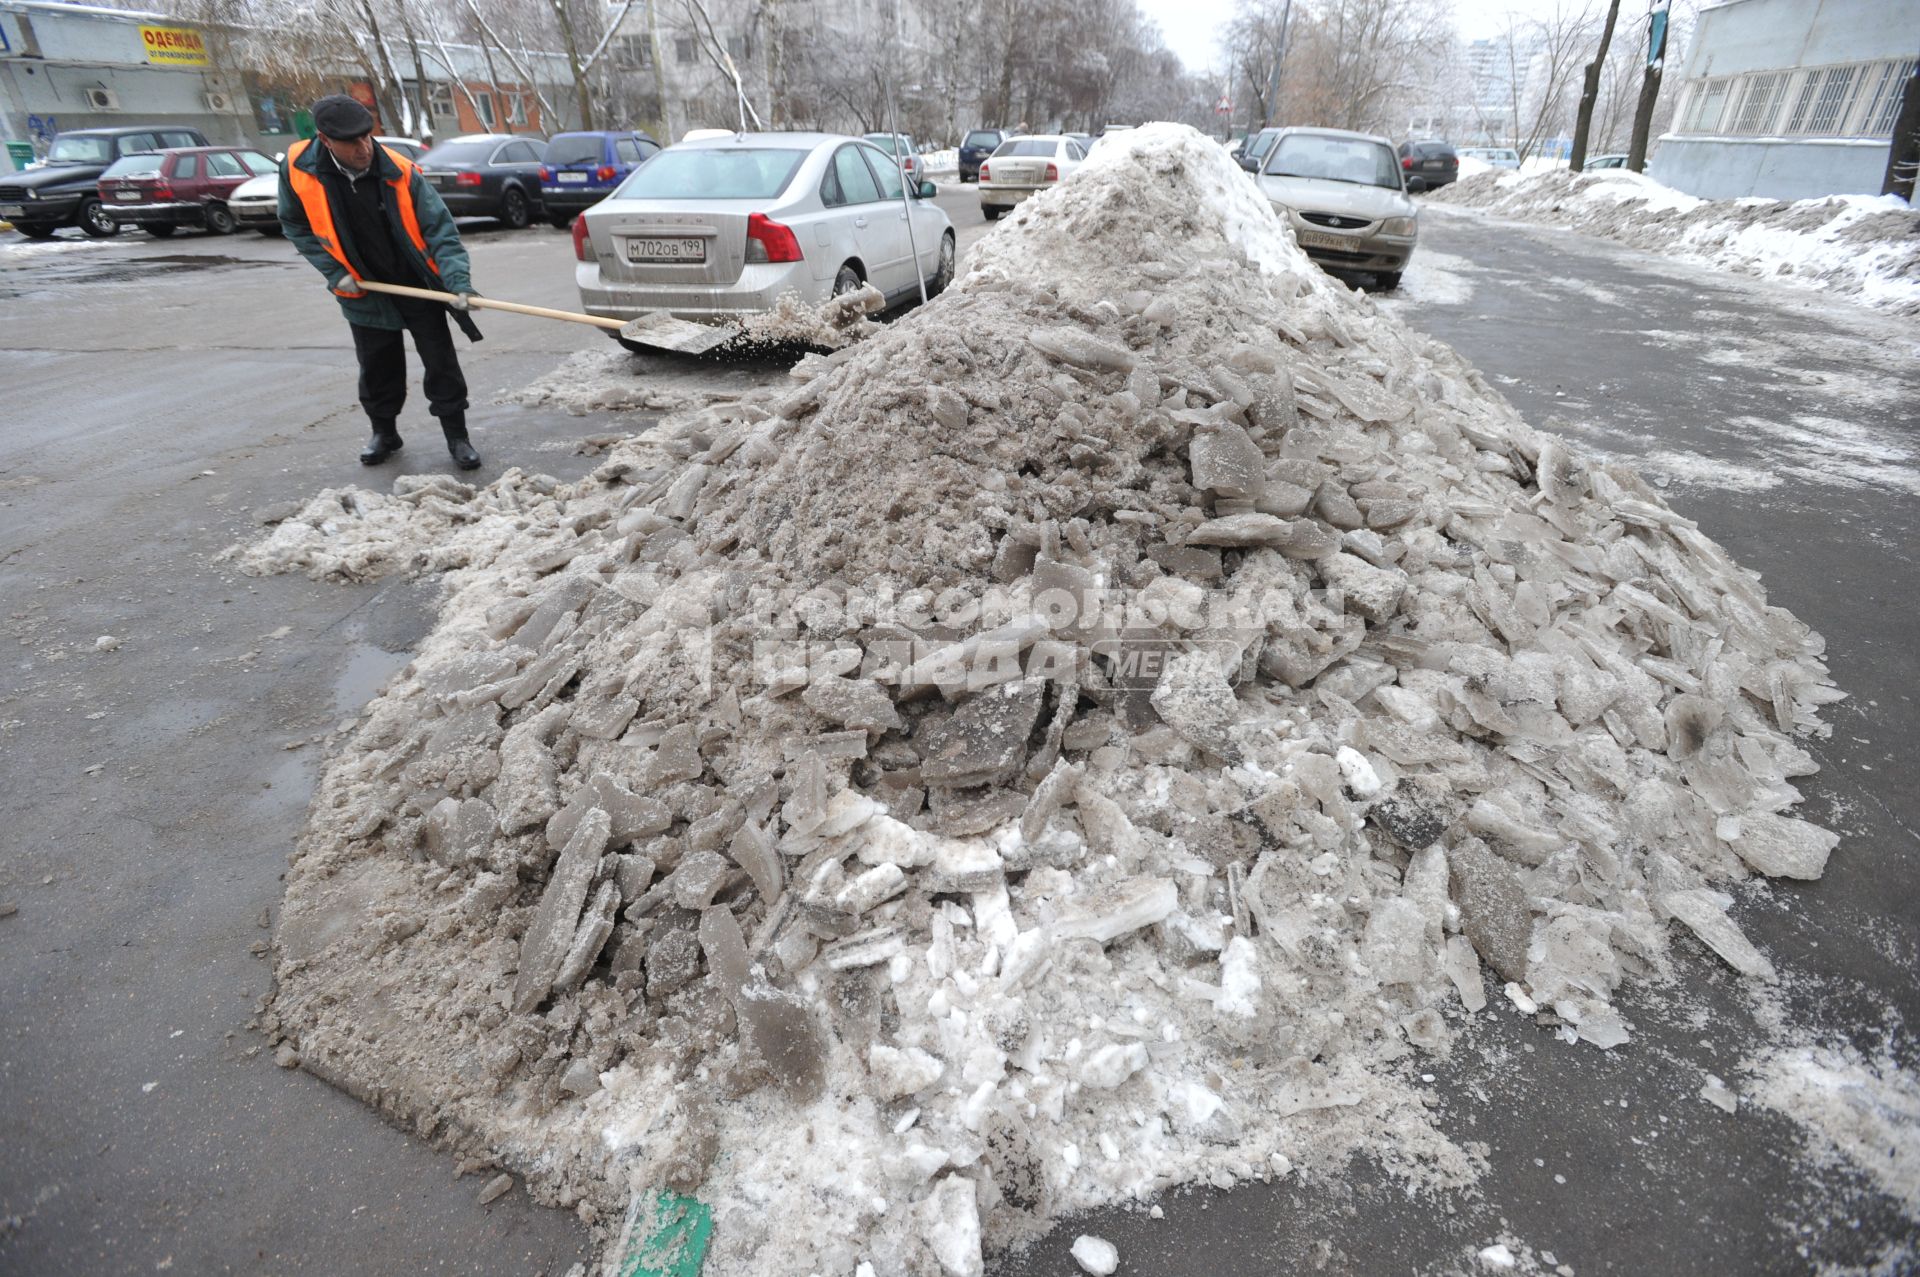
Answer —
(1193, 27)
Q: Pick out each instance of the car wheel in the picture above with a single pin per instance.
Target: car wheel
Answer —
(1387, 280)
(561, 221)
(514, 210)
(160, 230)
(847, 281)
(35, 232)
(270, 231)
(96, 221)
(220, 220)
(942, 273)
(991, 213)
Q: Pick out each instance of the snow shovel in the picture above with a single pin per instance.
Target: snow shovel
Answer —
(655, 328)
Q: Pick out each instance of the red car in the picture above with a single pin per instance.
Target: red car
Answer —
(187, 186)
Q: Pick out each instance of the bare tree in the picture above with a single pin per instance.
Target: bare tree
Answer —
(1590, 89)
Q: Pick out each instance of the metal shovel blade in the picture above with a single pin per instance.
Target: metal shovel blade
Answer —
(659, 329)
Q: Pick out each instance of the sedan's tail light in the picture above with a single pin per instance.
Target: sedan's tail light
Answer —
(1406, 161)
(985, 176)
(604, 173)
(546, 174)
(582, 250)
(769, 241)
(467, 179)
(163, 191)
(1053, 172)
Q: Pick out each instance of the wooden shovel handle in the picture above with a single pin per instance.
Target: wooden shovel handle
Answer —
(488, 303)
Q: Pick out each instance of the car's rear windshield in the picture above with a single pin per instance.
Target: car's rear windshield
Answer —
(711, 173)
(135, 166)
(983, 138)
(80, 150)
(576, 148)
(1028, 146)
(888, 142)
(1334, 159)
(460, 153)
(1431, 150)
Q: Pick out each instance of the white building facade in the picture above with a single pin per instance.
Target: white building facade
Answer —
(1790, 99)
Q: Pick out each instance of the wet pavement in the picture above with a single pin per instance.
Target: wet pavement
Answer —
(154, 403)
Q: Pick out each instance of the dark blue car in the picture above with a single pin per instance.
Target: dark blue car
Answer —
(581, 169)
(977, 146)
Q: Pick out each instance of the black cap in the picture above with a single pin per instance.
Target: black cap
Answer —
(341, 118)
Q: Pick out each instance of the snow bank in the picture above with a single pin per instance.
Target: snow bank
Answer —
(1855, 246)
(1111, 729)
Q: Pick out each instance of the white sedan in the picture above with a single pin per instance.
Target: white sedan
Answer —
(1024, 166)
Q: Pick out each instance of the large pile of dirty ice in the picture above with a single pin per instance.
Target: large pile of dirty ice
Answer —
(1088, 737)
(1866, 248)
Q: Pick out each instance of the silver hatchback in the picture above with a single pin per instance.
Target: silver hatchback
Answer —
(722, 227)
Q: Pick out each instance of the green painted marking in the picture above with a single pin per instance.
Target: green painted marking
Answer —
(671, 1241)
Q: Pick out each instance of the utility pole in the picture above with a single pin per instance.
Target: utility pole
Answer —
(1649, 85)
(906, 197)
(1273, 81)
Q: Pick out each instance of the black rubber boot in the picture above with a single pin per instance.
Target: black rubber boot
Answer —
(458, 447)
(385, 442)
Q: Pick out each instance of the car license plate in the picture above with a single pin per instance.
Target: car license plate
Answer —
(1435, 164)
(129, 196)
(573, 177)
(666, 250)
(1317, 239)
(11, 210)
(440, 181)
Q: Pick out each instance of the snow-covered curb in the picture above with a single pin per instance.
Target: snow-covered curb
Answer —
(1861, 247)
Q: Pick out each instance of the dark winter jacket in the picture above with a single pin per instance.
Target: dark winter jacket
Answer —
(315, 216)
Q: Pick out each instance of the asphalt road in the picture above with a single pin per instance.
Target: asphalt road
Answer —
(157, 394)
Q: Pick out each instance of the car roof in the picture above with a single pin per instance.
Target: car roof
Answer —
(1346, 133)
(489, 137)
(119, 129)
(1043, 137)
(787, 141)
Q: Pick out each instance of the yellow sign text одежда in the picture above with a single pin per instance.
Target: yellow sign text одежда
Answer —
(174, 46)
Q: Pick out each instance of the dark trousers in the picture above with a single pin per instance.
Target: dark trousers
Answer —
(383, 363)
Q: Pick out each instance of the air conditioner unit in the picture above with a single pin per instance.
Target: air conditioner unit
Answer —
(219, 103)
(102, 100)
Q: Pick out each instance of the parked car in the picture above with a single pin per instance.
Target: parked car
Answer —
(1085, 140)
(1496, 156)
(1255, 149)
(1601, 161)
(184, 186)
(1434, 163)
(487, 175)
(715, 229)
(977, 146)
(255, 203)
(1345, 197)
(65, 189)
(912, 167)
(1024, 166)
(581, 169)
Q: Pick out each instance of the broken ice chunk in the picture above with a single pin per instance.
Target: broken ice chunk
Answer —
(460, 832)
(1225, 460)
(1239, 979)
(1494, 910)
(591, 936)
(1704, 912)
(1047, 797)
(878, 884)
(902, 1071)
(1374, 593)
(698, 877)
(1194, 699)
(1081, 348)
(1396, 942)
(1125, 906)
(965, 864)
(1095, 1255)
(1715, 1092)
(753, 851)
(550, 935)
(1463, 968)
(851, 704)
(1359, 773)
(950, 1223)
(1112, 1064)
(1782, 847)
(985, 742)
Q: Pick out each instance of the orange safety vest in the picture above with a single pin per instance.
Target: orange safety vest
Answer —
(313, 198)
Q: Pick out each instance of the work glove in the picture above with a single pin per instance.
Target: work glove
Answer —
(346, 288)
(463, 302)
